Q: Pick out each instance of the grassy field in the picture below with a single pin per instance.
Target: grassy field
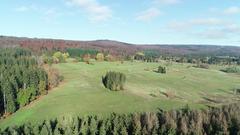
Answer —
(83, 93)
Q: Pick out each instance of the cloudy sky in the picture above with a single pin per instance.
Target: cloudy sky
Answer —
(136, 21)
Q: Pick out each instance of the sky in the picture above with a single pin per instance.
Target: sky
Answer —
(213, 22)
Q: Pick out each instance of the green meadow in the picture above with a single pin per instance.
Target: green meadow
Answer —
(82, 91)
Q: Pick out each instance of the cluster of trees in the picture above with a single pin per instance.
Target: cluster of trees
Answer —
(114, 81)
(59, 57)
(21, 79)
(221, 60)
(86, 55)
(162, 70)
(147, 56)
(56, 57)
(214, 121)
(154, 56)
(78, 52)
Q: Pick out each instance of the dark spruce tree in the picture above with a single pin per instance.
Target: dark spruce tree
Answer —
(21, 79)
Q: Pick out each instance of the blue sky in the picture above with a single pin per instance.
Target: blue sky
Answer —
(135, 21)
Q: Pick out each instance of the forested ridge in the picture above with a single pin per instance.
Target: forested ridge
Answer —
(22, 80)
(119, 48)
(213, 121)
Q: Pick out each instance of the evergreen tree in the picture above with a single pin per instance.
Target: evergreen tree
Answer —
(44, 130)
(10, 100)
(93, 126)
(84, 126)
(102, 129)
(136, 125)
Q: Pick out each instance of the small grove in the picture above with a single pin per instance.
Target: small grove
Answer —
(22, 79)
(114, 81)
(213, 121)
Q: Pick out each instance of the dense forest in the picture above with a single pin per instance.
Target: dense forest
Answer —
(214, 121)
(22, 79)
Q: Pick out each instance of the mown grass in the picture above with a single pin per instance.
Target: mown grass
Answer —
(82, 92)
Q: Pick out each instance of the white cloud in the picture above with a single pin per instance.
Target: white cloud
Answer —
(232, 28)
(97, 11)
(232, 10)
(211, 28)
(220, 32)
(167, 1)
(212, 34)
(183, 25)
(149, 14)
(46, 13)
(206, 21)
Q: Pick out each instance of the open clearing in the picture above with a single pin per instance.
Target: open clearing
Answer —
(83, 93)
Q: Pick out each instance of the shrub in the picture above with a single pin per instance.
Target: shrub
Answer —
(86, 58)
(54, 77)
(109, 57)
(114, 81)
(59, 57)
(23, 97)
(42, 87)
(169, 94)
(231, 70)
(204, 66)
(161, 70)
(237, 91)
(100, 57)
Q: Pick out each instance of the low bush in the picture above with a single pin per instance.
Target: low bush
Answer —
(204, 66)
(231, 70)
(237, 91)
(161, 70)
(54, 77)
(169, 94)
(114, 81)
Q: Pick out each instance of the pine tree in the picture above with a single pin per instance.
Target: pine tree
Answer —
(93, 126)
(102, 129)
(84, 126)
(123, 130)
(44, 130)
(136, 125)
(10, 100)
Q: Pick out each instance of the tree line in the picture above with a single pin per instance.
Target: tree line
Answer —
(22, 80)
(213, 121)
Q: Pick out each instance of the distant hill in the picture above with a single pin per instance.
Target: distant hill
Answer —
(118, 48)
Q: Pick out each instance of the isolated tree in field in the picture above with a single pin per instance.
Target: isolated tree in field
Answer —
(100, 57)
(139, 56)
(109, 57)
(161, 70)
(114, 81)
(86, 58)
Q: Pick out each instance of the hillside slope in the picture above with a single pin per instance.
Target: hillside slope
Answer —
(119, 48)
